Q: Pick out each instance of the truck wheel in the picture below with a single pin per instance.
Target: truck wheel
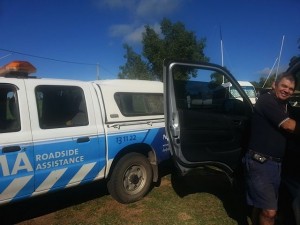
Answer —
(131, 178)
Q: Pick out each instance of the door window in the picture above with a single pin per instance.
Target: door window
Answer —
(9, 110)
(203, 91)
(61, 106)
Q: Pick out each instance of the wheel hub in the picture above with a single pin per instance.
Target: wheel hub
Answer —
(134, 179)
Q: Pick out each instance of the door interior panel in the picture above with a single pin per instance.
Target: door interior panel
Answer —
(208, 136)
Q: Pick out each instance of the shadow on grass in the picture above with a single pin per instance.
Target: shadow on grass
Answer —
(45, 204)
(201, 181)
(216, 183)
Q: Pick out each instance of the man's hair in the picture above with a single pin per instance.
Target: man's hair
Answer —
(287, 76)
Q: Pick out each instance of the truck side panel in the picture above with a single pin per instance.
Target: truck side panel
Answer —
(73, 152)
(16, 147)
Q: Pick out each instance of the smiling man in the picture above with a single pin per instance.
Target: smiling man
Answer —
(269, 126)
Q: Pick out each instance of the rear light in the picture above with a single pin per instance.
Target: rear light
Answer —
(17, 69)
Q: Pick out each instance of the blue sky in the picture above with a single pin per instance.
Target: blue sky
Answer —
(92, 32)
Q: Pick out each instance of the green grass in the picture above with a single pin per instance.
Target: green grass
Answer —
(202, 198)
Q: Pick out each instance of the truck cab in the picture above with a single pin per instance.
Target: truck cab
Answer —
(58, 133)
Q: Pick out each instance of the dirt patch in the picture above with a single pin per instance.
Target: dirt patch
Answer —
(184, 216)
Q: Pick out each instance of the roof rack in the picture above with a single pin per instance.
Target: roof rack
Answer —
(17, 69)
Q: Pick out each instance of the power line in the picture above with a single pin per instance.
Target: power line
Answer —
(47, 58)
(58, 60)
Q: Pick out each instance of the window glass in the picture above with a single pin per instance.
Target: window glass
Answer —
(202, 89)
(249, 90)
(234, 93)
(61, 106)
(199, 91)
(9, 109)
(140, 104)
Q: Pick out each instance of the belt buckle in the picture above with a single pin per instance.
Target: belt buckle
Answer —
(259, 158)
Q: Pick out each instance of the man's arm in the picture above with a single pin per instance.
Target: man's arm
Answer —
(290, 126)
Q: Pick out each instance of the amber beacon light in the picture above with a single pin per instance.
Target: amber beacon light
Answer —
(17, 69)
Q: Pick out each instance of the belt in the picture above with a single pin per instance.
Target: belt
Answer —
(252, 153)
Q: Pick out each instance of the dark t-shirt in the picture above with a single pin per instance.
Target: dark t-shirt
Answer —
(266, 136)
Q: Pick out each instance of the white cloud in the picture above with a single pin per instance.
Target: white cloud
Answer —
(130, 33)
(141, 12)
(142, 8)
(135, 36)
(267, 71)
(156, 8)
(120, 30)
(113, 4)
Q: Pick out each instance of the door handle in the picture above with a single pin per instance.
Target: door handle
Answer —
(83, 139)
(11, 149)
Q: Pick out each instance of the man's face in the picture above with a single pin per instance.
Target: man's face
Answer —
(284, 89)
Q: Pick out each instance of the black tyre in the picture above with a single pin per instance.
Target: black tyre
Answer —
(131, 178)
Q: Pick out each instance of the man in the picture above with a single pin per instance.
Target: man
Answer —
(269, 126)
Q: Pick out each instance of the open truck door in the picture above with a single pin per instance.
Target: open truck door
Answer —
(205, 126)
(291, 166)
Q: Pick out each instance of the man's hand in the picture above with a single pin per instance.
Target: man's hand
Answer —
(289, 125)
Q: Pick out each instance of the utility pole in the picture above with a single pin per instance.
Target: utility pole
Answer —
(97, 68)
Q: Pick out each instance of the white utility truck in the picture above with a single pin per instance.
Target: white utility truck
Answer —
(246, 86)
(57, 133)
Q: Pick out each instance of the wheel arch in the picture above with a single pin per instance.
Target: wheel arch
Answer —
(140, 148)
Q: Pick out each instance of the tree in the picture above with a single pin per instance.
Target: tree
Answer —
(263, 82)
(135, 67)
(216, 79)
(174, 41)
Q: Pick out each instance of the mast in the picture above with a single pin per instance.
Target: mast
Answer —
(279, 57)
(270, 73)
(222, 54)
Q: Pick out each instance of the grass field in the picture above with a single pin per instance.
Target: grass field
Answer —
(205, 197)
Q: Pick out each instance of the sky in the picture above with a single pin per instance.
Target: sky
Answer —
(83, 39)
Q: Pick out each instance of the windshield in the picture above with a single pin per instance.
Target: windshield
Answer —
(249, 90)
